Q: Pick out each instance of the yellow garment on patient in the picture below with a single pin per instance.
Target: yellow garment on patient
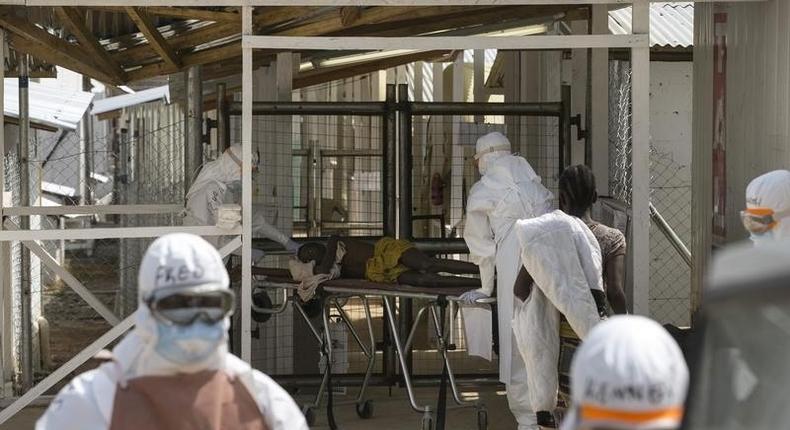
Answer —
(385, 265)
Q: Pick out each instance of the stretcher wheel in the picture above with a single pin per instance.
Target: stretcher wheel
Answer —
(427, 422)
(262, 300)
(482, 419)
(309, 415)
(365, 409)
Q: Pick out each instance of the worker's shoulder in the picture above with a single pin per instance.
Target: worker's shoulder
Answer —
(277, 405)
(605, 234)
(79, 404)
(237, 367)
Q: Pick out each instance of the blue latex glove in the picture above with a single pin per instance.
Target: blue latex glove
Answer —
(471, 297)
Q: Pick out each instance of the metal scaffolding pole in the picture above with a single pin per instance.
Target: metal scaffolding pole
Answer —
(86, 149)
(24, 197)
(193, 144)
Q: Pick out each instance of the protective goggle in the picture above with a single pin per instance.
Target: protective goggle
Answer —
(186, 307)
(759, 220)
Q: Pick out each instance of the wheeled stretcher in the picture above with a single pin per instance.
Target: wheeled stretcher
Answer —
(336, 293)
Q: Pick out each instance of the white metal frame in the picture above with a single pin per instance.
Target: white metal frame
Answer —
(638, 43)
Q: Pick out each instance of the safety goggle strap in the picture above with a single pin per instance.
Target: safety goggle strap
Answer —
(492, 149)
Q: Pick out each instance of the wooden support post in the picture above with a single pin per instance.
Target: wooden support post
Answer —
(599, 103)
(640, 129)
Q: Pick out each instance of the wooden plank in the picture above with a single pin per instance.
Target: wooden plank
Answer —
(445, 43)
(140, 53)
(40, 44)
(451, 19)
(72, 19)
(334, 23)
(320, 76)
(192, 13)
(154, 37)
(181, 12)
(206, 56)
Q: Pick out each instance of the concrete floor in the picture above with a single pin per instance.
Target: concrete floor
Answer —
(390, 413)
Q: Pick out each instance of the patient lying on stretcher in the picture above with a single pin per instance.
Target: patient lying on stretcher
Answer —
(387, 261)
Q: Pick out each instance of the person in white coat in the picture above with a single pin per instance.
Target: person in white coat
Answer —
(561, 277)
(767, 214)
(173, 370)
(211, 189)
(508, 190)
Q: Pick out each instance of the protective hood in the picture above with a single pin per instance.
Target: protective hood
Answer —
(489, 148)
(176, 261)
(628, 373)
(223, 171)
(772, 190)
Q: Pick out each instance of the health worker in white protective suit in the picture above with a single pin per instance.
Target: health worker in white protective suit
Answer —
(507, 191)
(212, 188)
(561, 277)
(629, 374)
(767, 214)
(173, 371)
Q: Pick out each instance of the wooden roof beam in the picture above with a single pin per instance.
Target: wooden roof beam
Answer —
(72, 19)
(26, 37)
(320, 76)
(153, 36)
(183, 13)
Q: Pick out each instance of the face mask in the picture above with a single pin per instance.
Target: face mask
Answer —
(189, 344)
(760, 239)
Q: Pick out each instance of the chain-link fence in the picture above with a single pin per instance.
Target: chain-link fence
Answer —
(670, 194)
(138, 161)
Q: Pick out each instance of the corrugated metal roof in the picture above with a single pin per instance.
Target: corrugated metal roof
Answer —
(126, 100)
(50, 105)
(671, 24)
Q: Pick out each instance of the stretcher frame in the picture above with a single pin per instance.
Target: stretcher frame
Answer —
(333, 294)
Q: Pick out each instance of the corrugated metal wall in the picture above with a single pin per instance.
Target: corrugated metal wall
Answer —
(757, 93)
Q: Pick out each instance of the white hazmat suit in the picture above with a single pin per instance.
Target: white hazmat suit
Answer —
(628, 374)
(508, 190)
(772, 191)
(140, 388)
(564, 259)
(208, 193)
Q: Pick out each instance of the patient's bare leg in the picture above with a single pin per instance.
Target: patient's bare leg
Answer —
(419, 279)
(417, 260)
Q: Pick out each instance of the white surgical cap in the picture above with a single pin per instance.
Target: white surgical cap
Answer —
(490, 147)
(628, 374)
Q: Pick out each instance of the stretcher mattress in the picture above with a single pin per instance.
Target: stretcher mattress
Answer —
(282, 275)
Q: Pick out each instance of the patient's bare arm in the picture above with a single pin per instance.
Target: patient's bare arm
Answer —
(325, 265)
(523, 284)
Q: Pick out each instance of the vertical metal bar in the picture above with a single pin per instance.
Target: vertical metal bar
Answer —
(405, 163)
(246, 189)
(389, 166)
(405, 212)
(193, 149)
(640, 129)
(86, 150)
(24, 193)
(401, 355)
(702, 149)
(223, 119)
(565, 130)
(389, 207)
(6, 325)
